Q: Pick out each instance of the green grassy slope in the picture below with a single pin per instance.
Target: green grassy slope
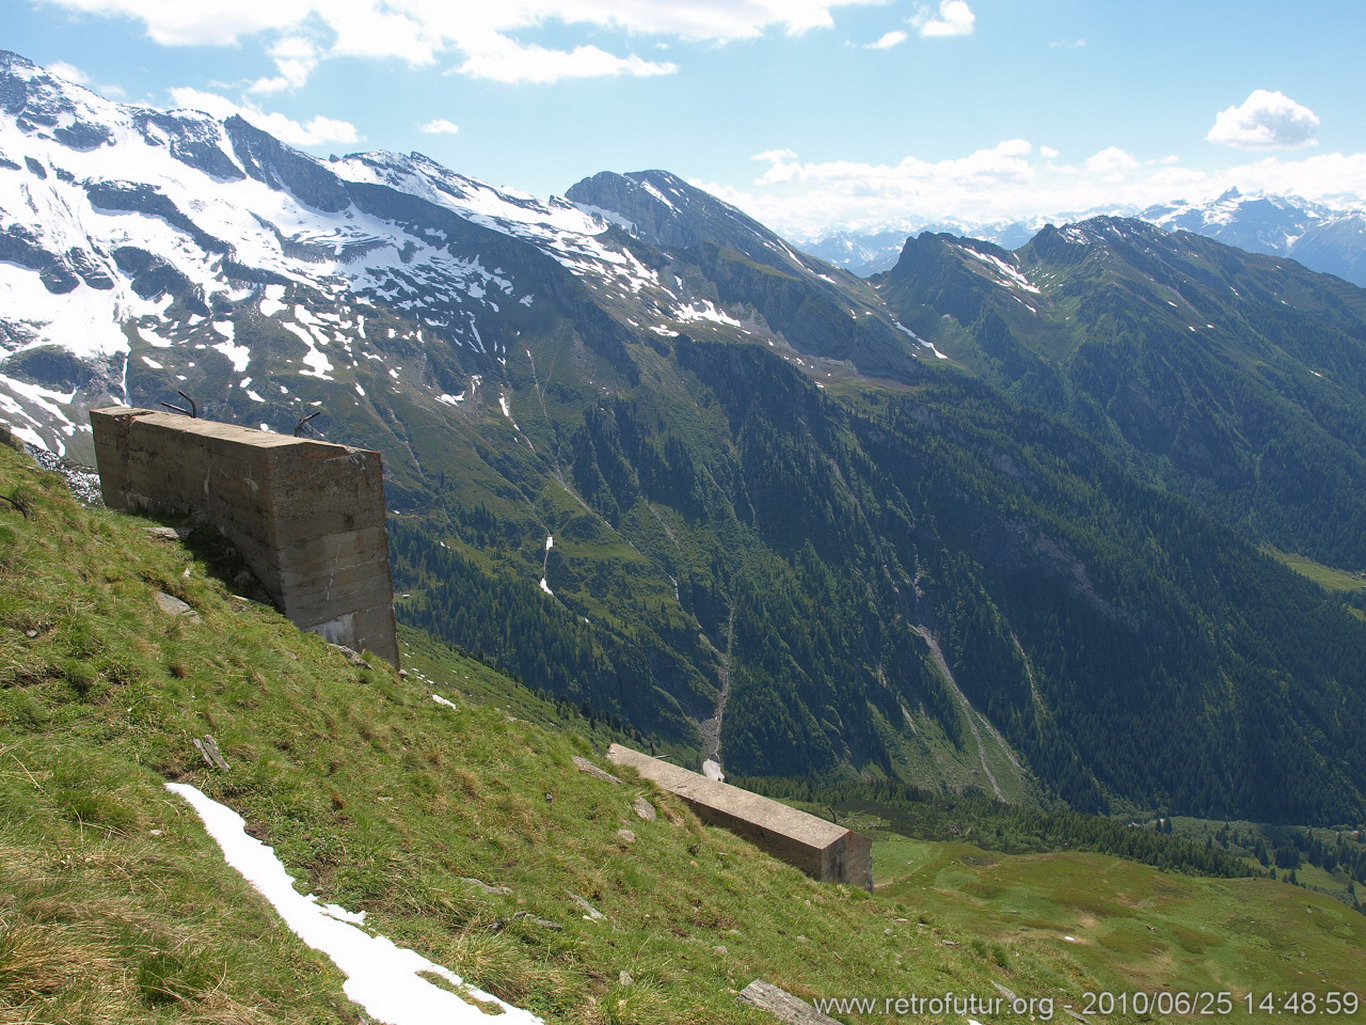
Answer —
(116, 906)
(1137, 929)
(1327, 576)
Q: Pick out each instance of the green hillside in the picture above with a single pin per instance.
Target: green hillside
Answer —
(116, 906)
(1141, 931)
(1232, 378)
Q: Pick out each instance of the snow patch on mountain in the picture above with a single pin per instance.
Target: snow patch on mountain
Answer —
(704, 310)
(1010, 276)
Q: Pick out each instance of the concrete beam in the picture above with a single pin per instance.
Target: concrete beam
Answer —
(821, 849)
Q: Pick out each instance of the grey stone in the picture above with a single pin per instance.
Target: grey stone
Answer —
(351, 655)
(783, 1005)
(168, 533)
(173, 606)
(589, 910)
(627, 835)
(486, 887)
(584, 765)
(208, 748)
(645, 809)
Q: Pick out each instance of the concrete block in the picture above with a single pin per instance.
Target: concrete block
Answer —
(307, 516)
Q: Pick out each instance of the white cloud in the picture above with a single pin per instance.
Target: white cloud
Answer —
(955, 18)
(200, 22)
(775, 155)
(889, 40)
(295, 58)
(1005, 162)
(212, 104)
(1111, 163)
(1335, 176)
(1014, 181)
(712, 20)
(439, 126)
(1067, 44)
(504, 60)
(1266, 120)
(365, 28)
(422, 32)
(317, 132)
(70, 72)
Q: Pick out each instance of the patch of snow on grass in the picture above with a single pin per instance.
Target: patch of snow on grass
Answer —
(921, 341)
(704, 310)
(240, 355)
(318, 364)
(1011, 275)
(153, 339)
(271, 304)
(46, 399)
(382, 977)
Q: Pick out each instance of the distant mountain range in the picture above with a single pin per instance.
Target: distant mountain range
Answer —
(1322, 237)
(995, 520)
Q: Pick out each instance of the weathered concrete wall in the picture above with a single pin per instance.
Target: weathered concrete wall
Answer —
(307, 516)
(819, 848)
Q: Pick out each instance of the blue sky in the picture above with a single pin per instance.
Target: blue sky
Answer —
(807, 113)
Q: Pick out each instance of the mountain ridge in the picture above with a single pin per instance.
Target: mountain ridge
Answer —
(1323, 237)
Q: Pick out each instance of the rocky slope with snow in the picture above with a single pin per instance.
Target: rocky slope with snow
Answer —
(144, 253)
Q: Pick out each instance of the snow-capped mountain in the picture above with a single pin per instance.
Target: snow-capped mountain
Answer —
(1322, 237)
(144, 253)
(137, 242)
(870, 252)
